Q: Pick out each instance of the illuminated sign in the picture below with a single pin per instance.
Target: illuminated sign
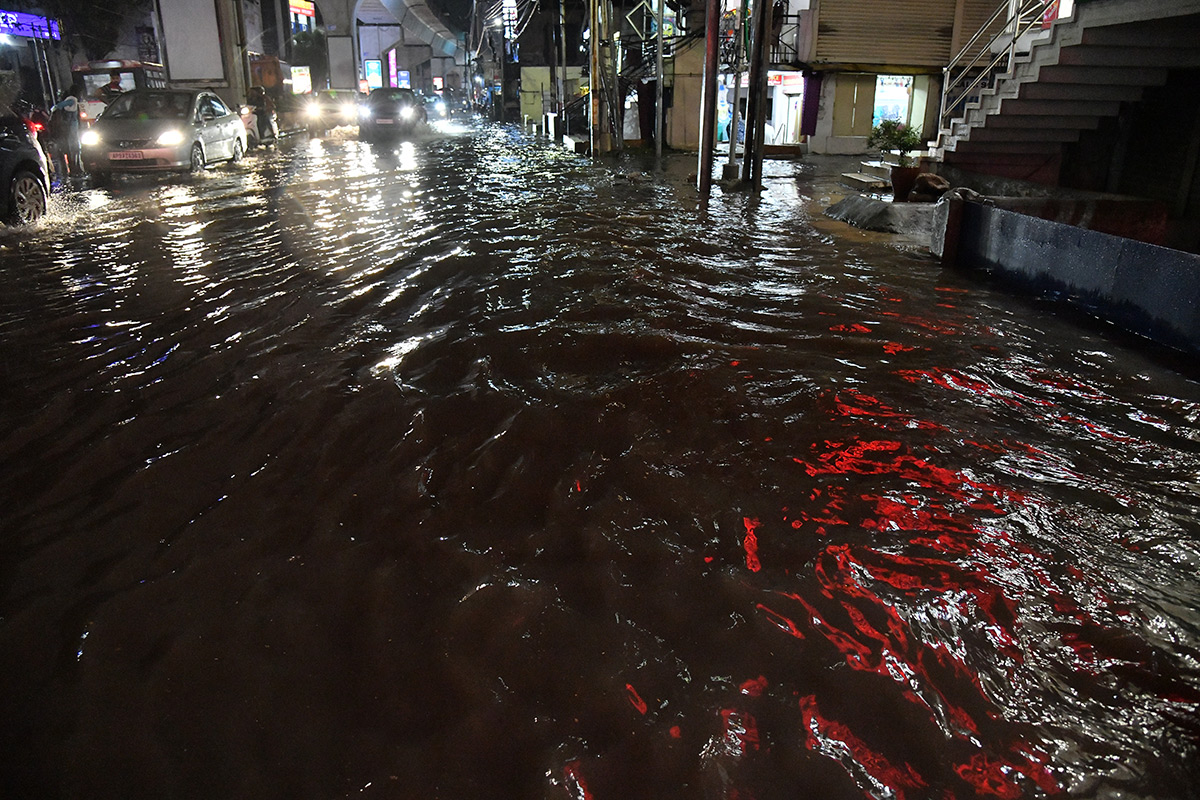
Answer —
(373, 73)
(439, 83)
(302, 7)
(15, 23)
(392, 79)
(301, 80)
(404, 80)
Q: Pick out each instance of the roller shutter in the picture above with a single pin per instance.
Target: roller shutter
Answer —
(975, 13)
(912, 33)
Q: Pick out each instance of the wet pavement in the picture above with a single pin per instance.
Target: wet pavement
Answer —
(470, 468)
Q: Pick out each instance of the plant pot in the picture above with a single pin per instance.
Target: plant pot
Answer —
(903, 180)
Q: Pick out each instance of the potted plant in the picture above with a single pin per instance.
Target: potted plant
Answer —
(892, 135)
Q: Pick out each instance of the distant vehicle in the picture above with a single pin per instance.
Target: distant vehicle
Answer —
(390, 112)
(436, 108)
(162, 129)
(328, 109)
(24, 174)
(98, 75)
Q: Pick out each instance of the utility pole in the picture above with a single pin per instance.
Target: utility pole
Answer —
(757, 84)
(562, 75)
(616, 103)
(760, 88)
(593, 74)
(708, 107)
(739, 31)
(658, 88)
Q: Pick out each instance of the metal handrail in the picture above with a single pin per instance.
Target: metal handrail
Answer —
(1022, 17)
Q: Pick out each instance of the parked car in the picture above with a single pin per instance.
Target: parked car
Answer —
(24, 174)
(390, 112)
(162, 129)
(328, 109)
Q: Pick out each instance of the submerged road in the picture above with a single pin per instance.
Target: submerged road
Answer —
(467, 468)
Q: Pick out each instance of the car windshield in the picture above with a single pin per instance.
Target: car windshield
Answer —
(151, 105)
(393, 96)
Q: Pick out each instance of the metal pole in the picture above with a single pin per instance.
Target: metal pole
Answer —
(760, 89)
(617, 103)
(562, 75)
(737, 82)
(708, 118)
(593, 73)
(659, 115)
(754, 98)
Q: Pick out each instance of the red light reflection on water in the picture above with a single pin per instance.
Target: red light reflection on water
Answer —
(940, 559)
(750, 543)
(635, 699)
(839, 742)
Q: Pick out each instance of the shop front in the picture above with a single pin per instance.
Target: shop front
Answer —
(784, 107)
(29, 55)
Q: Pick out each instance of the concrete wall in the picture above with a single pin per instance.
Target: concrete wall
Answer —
(1145, 288)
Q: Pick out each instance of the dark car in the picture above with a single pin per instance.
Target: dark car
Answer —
(326, 110)
(24, 175)
(390, 112)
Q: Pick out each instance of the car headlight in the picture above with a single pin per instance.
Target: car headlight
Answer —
(89, 138)
(170, 138)
(439, 108)
(406, 112)
(313, 110)
(348, 111)
(364, 112)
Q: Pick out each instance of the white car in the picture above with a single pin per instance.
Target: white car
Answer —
(162, 129)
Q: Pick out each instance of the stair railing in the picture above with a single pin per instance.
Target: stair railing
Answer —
(983, 57)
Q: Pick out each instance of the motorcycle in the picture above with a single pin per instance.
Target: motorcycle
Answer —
(261, 128)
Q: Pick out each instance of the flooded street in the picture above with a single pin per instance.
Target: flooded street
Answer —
(469, 468)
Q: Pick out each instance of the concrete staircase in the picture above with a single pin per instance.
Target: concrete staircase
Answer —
(1107, 54)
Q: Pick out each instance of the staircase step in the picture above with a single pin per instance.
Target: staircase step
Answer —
(1128, 76)
(1098, 108)
(1044, 90)
(989, 133)
(880, 169)
(1016, 148)
(1142, 35)
(1078, 121)
(863, 181)
(1104, 56)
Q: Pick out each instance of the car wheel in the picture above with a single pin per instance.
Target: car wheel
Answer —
(197, 159)
(238, 152)
(27, 198)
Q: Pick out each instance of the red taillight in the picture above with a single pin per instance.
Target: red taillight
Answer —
(34, 127)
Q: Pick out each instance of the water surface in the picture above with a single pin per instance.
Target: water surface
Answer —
(468, 468)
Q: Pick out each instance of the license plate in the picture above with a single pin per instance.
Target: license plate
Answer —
(385, 121)
(126, 155)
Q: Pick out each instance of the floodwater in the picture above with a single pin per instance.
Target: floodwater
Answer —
(468, 468)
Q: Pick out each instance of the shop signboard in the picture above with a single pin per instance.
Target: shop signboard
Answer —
(373, 73)
(304, 8)
(301, 80)
(16, 23)
(403, 80)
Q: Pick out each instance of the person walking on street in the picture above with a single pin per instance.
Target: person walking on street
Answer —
(64, 135)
